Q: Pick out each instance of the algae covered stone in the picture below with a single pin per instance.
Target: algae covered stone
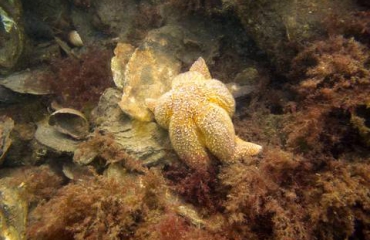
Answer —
(145, 73)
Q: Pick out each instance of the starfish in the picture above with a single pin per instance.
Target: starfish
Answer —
(197, 112)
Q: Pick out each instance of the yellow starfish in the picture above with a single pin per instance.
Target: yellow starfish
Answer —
(197, 112)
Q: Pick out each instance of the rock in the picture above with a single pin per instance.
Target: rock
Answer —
(149, 71)
(277, 26)
(115, 15)
(244, 82)
(248, 76)
(12, 34)
(145, 141)
(173, 201)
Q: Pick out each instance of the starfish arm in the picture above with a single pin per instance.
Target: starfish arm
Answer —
(188, 78)
(245, 149)
(218, 131)
(216, 92)
(163, 110)
(187, 142)
(201, 67)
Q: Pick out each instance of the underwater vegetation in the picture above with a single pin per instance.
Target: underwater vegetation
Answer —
(308, 66)
(333, 81)
(79, 82)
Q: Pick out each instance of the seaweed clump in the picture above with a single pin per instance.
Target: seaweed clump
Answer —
(263, 199)
(338, 201)
(113, 206)
(38, 184)
(102, 146)
(79, 82)
(196, 187)
(332, 81)
(171, 226)
(356, 24)
(287, 197)
(94, 207)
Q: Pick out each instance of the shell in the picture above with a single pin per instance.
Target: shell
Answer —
(148, 71)
(75, 39)
(35, 82)
(144, 141)
(122, 54)
(70, 122)
(49, 137)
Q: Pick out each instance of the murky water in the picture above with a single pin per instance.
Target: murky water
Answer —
(124, 119)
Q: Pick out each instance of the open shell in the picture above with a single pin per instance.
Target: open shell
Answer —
(70, 122)
(58, 142)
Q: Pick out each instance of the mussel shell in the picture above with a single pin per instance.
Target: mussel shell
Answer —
(70, 122)
(35, 82)
(58, 142)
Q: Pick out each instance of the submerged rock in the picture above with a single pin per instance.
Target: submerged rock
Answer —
(148, 72)
(278, 26)
(12, 37)
(145, 141)
(173, 201)
(115, 15)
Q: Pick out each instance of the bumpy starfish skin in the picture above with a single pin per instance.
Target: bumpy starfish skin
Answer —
(197, 112)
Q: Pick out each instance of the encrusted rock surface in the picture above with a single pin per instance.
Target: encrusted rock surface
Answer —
(142, 140)
(148, 72)
(277, 26)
